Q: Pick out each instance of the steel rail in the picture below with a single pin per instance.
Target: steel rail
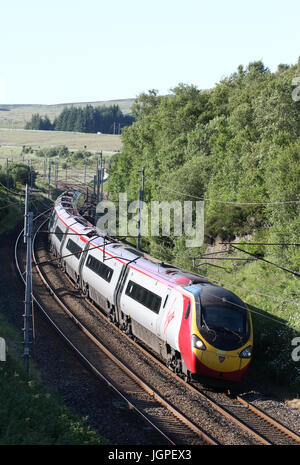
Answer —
(217, 406)
(144, 386)
(80, 354)
(277, 424)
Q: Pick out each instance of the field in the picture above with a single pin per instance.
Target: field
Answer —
(16, 116)
(13, 138)
(73, 140)
(69, 168)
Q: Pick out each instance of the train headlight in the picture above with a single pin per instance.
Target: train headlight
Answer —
(246, 353)
(197, 342)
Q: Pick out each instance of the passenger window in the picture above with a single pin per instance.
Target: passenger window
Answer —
(143, 296)
(74, 248)
(102, 270)
(187, 311)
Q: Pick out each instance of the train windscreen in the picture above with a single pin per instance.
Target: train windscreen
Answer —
(222, 318)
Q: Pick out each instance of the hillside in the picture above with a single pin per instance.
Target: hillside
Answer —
(72, 140)
(16, 116)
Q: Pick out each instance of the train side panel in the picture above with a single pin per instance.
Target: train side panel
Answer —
(141, 301)
(169, 321)
(71, 250)
(58, 235)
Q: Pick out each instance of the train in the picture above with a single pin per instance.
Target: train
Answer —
(200, 330)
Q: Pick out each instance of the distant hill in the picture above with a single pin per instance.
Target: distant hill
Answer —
(16, 116)
(73, 140)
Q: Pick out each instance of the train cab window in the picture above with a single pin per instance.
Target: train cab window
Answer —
(102, 270)
(187, 311)
(143, 296)
(58, 233)
(74, 248)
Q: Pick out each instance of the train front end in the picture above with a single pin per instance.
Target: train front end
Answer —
(221, 334)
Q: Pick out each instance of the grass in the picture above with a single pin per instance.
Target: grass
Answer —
(10, 152)
(276, 321)
(29, 414)
(69, 168)
(12, 217)
(14, 212)
(17, 138)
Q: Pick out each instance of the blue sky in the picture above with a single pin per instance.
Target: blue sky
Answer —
(77, 51)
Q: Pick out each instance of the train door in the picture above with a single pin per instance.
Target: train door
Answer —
(72, 251)
(163, 312)
(141, 300)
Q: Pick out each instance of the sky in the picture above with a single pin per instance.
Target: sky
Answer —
(63, 51)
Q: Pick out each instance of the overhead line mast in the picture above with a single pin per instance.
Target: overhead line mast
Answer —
(28, 221)
(28, 317)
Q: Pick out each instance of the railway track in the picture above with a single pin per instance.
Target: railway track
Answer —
(265, 429)
(175, 427)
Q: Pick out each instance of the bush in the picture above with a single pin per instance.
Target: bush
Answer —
(231, 221)
(3, 208)
(21, 173)
(60, 151)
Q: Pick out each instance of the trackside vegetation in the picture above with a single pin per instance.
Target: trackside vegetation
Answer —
(237, 147)
(29, 414)
(18, 176)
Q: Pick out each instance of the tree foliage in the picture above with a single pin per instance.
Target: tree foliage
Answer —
(40, 123)
(21, 173)
(104, 119)
(237, 142)
(18, 173)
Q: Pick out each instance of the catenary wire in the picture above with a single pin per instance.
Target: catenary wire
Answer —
(252, 291)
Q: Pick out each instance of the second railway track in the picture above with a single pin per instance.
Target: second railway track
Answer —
(172, 425)
(230, 421)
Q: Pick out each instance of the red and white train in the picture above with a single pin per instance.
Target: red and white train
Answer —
(198, 328)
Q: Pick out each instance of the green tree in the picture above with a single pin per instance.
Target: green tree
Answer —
(21, 173)
(222, 144)
(40, 123)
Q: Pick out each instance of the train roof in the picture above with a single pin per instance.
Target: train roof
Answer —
(223, 295)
